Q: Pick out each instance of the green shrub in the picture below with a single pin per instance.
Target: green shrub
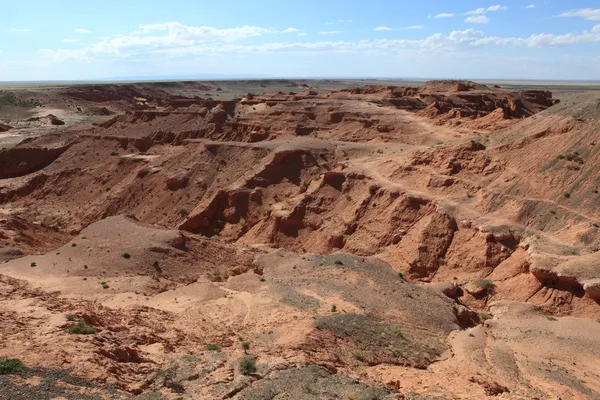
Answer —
(339, 262)
(73, 244)
(213, 347)
(333, 308)
(33, 265)
(126, 256)
(81, 328)
(104, 285)
(9, 366)
(359, 356)
(157, 267)
(551, 318)
(485, 284)
(247, 366)
(246, 345)
(484, 316)
(72, 317)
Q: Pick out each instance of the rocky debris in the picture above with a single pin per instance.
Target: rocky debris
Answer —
(4, 127)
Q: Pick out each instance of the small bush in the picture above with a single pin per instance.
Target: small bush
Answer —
(72, 317)
(221, 274)
(73, 244)
(484, 316)
(157, 267)
(333, 308)
(81, 328)
(485, 284)
(9, 366)
(246, 345)
(33, 265)
(567, 195)
(574, 157)
(104, 285)
(213, 347)
(551, 318)
(126, 256)
(359, 356)
(262, 279)
(247, 366)
(339, 262)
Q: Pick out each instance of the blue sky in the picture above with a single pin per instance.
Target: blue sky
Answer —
(82, 40)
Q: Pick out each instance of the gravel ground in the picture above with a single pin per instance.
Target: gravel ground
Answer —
(68, 388)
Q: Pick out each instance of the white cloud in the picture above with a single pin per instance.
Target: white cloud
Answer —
(497, 7)
(302, 34)
(340, 21)
(82, 30)
(69, 40)
(290, 30)
(480, 19)
(19, 30)
(383, 28)
(591, 14)
(444, 15)
(330, 32)
(177, 32)
(530, 6)
(476, 12)
(481, 10)
(415, 27)
(161, 42)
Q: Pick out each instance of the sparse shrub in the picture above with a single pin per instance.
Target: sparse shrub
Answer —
(169, 378)
(213, 347)
(73, 244)
(113, 153)
(33, 265)
(157, 267)
(246, 345)
(359, 356)
(104, 285)
(571, 156)
(262, 279)
(485, 284)
(126, 256)
(9, 366)
(484, 316)
(551, 318)
(81, 328)
(221, 274)
(247, 366)
(339, 262)
(72, 317)
(333, 308)
(567, 195)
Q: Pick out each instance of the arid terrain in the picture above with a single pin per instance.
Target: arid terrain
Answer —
(303, 239)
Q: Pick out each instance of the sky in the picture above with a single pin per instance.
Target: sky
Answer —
(467, 39)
